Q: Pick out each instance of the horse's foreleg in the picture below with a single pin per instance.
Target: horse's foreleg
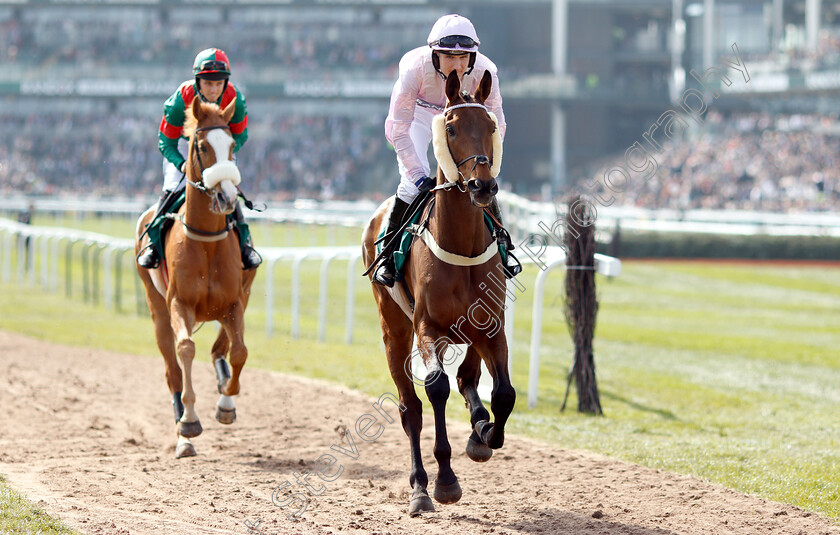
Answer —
(412, 423)
(189, 426)
(447, 488)
(397, 334)
(468, 375)
(233, 325)
(502, 400)
(166, 344)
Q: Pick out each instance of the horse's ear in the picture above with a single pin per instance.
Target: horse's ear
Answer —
(197, 109)
(227, 114)
(453, 85)
(484, 87)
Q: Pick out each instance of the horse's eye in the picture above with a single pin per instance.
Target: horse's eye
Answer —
(450, 130)
(204, 148)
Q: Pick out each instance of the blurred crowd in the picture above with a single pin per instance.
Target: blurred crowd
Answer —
(793, 55)
(289, 49)
(305, 156)
(752, 161)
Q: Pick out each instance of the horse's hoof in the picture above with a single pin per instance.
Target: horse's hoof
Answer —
(420, 503)
(448, 493)
(225, 416)
(184, 449)
(189, 429)
(478, 451)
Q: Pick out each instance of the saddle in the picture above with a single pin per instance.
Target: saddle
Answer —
(411, 228)
(159, 227)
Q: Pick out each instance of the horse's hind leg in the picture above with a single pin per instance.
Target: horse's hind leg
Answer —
(468, 375)
(189, 425)
(447, 488)
(225, 407)
(233, 325)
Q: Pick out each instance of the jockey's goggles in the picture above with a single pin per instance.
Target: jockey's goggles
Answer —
(214, 66)
(454, 41)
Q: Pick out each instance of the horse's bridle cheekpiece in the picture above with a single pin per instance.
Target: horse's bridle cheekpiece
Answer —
(451, 169)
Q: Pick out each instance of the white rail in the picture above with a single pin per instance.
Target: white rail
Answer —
(44, 251)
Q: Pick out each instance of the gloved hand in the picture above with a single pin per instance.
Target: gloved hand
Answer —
(425, 184)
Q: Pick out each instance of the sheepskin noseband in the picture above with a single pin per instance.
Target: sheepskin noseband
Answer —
(219, 171)
(441, 149)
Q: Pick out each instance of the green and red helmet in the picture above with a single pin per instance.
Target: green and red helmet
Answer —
(211, 64)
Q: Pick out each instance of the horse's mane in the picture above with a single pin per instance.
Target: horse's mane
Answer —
(191, 123)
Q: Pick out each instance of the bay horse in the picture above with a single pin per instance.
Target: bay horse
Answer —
(448, 273)
(201, 278)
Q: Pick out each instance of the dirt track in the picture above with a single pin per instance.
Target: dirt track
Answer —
(89, 436)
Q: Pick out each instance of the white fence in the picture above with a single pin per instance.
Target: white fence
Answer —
(39, 248)
(523, 215)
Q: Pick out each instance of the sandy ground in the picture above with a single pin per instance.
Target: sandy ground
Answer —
(89, 436)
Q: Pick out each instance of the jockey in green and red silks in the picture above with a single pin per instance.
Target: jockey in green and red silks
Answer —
(210, 83)
(211, 65)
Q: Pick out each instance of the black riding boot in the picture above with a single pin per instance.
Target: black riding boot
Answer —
(150, 257)
(511, 267)
(385, 273)
(250, 257)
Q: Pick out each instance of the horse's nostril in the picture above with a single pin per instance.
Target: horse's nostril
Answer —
(495, 189)
(473, 185)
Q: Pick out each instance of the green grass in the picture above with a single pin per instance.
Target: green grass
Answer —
(724, 371)
(17, 515)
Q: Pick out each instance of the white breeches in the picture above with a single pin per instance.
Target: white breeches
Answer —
(171, 174)
(421, 136)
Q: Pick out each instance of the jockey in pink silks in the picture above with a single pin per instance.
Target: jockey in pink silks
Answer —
(418, 96)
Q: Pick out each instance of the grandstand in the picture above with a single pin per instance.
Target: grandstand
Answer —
(82, 89)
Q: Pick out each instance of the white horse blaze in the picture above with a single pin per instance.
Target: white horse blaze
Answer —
(224, 171)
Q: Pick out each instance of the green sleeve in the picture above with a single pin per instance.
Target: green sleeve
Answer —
(240, 115)
(173, 119)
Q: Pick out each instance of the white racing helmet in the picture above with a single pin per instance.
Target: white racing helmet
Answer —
(453, 34)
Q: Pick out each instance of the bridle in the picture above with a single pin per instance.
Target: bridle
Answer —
(197, 161)
(480, 159)
(192, 232)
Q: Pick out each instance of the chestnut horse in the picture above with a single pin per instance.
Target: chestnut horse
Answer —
(453, 262)
(204, 271)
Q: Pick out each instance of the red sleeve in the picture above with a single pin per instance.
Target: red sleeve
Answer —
(238, 128)
(168, 130)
